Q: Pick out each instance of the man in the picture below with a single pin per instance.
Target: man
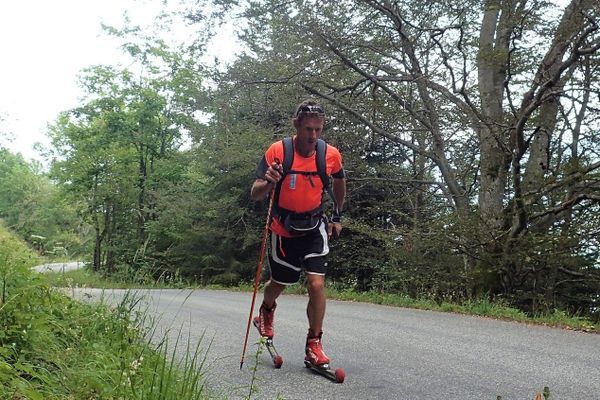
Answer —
(299, 230)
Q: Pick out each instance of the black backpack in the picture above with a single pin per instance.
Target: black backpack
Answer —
(310, 220)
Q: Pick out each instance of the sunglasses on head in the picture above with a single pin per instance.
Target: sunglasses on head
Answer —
(310, 109)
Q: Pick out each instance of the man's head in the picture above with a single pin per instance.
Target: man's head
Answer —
(308, 108)
(308, 121)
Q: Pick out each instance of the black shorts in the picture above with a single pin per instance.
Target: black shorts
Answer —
(289, 256)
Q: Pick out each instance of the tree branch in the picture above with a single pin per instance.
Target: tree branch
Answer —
(368, 123)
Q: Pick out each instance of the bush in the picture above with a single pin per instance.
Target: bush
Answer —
(52, 347)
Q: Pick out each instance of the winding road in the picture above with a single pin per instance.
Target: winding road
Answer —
(59, 267)
(387, 352)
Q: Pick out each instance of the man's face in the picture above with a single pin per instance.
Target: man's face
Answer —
(308, 131)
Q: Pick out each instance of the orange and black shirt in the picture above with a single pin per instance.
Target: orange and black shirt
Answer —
(300, 193)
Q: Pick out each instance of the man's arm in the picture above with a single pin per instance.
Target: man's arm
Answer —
(262, 186)
(339, 192)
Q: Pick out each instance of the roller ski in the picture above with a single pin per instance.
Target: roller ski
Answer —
(317, 361)
(275, 357)
(338, 375)
(264, 324)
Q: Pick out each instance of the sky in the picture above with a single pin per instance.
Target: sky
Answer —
(44, 45)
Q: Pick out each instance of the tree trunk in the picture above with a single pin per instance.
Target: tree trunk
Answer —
(548, 84)
(493, 139)
(143, 174)
(97, 249)
(97, 265)
(109, 223)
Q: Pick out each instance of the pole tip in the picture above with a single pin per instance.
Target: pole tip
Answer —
(241, 364)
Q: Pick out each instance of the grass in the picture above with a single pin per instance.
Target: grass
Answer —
(96, 351)
(85, 277)
(52, 347)
(481, 307)
(149, 374)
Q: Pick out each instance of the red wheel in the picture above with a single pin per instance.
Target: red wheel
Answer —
(340, 375)
(278, 361)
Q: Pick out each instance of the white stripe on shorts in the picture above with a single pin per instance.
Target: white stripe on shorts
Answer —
(325, 244)
(274, 240)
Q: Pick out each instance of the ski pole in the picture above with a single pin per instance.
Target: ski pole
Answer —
(258, 271)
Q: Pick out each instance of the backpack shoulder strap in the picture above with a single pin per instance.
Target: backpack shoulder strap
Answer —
(322, 162)
(322, 169)
(288, 160)
(288, 155)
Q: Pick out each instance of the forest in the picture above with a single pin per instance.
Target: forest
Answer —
(469, 131)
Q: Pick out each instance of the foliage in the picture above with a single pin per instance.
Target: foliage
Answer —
(16, 289)
(52, 347)
(468, 131)
(453, 146)
(88, 278)
(114, 150)
(31, 205)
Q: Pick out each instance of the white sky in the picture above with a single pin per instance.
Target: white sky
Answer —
(43, 46)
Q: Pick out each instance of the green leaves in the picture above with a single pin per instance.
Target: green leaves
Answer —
(53, 347)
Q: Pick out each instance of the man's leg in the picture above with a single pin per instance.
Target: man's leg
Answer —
(316, 313)
(316, 303)
(272, 292)
(266, 313)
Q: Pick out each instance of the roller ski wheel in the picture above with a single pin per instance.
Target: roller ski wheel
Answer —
(275, 357)
(325, 370)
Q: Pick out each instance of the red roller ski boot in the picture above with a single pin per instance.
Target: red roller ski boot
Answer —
(264, 323)
(319, 362)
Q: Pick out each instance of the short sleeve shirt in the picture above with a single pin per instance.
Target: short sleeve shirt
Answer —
(300, 193)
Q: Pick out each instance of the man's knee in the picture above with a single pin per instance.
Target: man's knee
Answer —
(275, 284)
(274, 287)
(315, 283)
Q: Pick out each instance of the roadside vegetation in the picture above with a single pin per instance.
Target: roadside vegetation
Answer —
(461, 195)
(52, 347)
(471, 151)
(483, 306)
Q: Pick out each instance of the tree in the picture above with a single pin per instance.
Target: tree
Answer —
(31, 205)
(472, 105)
(108, 150)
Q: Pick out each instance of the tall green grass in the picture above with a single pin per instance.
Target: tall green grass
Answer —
(52, 347)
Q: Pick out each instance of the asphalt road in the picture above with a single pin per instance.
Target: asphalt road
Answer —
(387, 352)
(59, 267)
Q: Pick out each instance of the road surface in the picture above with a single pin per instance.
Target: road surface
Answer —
(59, 267)
(387, 352)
